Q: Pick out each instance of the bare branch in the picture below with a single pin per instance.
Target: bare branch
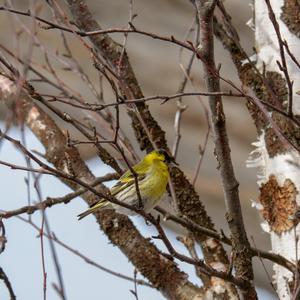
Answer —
(283, 64)
(49, 202)
(241, 246)
(6, 281)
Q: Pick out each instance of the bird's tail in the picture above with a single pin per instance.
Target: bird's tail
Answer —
(93, 207)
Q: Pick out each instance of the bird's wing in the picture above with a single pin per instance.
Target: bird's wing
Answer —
(127, 179)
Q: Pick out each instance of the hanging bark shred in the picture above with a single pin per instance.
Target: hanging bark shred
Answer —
(279, 204)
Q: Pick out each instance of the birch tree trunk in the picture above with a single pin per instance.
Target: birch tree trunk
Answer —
(279, 162)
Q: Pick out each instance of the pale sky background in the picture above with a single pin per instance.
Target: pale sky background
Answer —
(21, 259)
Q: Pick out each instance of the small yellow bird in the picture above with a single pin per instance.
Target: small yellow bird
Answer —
(152, 175)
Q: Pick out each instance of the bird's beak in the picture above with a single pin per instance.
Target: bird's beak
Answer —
(173, 162)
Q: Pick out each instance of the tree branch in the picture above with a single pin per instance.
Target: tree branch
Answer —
(6, 281)
(49, 202)
(240, 243)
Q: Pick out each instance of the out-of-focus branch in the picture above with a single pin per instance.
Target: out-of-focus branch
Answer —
(140, 251)
(189, 243)
(241, 246)
(6, 281)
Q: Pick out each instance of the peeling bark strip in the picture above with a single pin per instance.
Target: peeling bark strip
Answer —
(279, 204)
(140, 251)
(188, 199)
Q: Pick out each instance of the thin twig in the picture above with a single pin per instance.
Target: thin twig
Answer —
(201, 156)
(61, 288)
(189, 243)
(49, 202)
(292, 56)
(264, 267)
(134, 292)
(3, 239)
(283, 64)
(186, 72)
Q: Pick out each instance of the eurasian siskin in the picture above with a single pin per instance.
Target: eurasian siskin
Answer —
(152, 175)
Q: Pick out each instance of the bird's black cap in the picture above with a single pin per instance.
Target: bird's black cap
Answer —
(169, 158)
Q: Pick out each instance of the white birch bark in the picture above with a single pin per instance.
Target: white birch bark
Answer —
(280, 173)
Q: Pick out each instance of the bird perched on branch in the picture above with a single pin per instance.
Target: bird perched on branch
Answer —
(152, 175)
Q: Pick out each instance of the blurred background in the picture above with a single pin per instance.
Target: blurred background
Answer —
(157, 67)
